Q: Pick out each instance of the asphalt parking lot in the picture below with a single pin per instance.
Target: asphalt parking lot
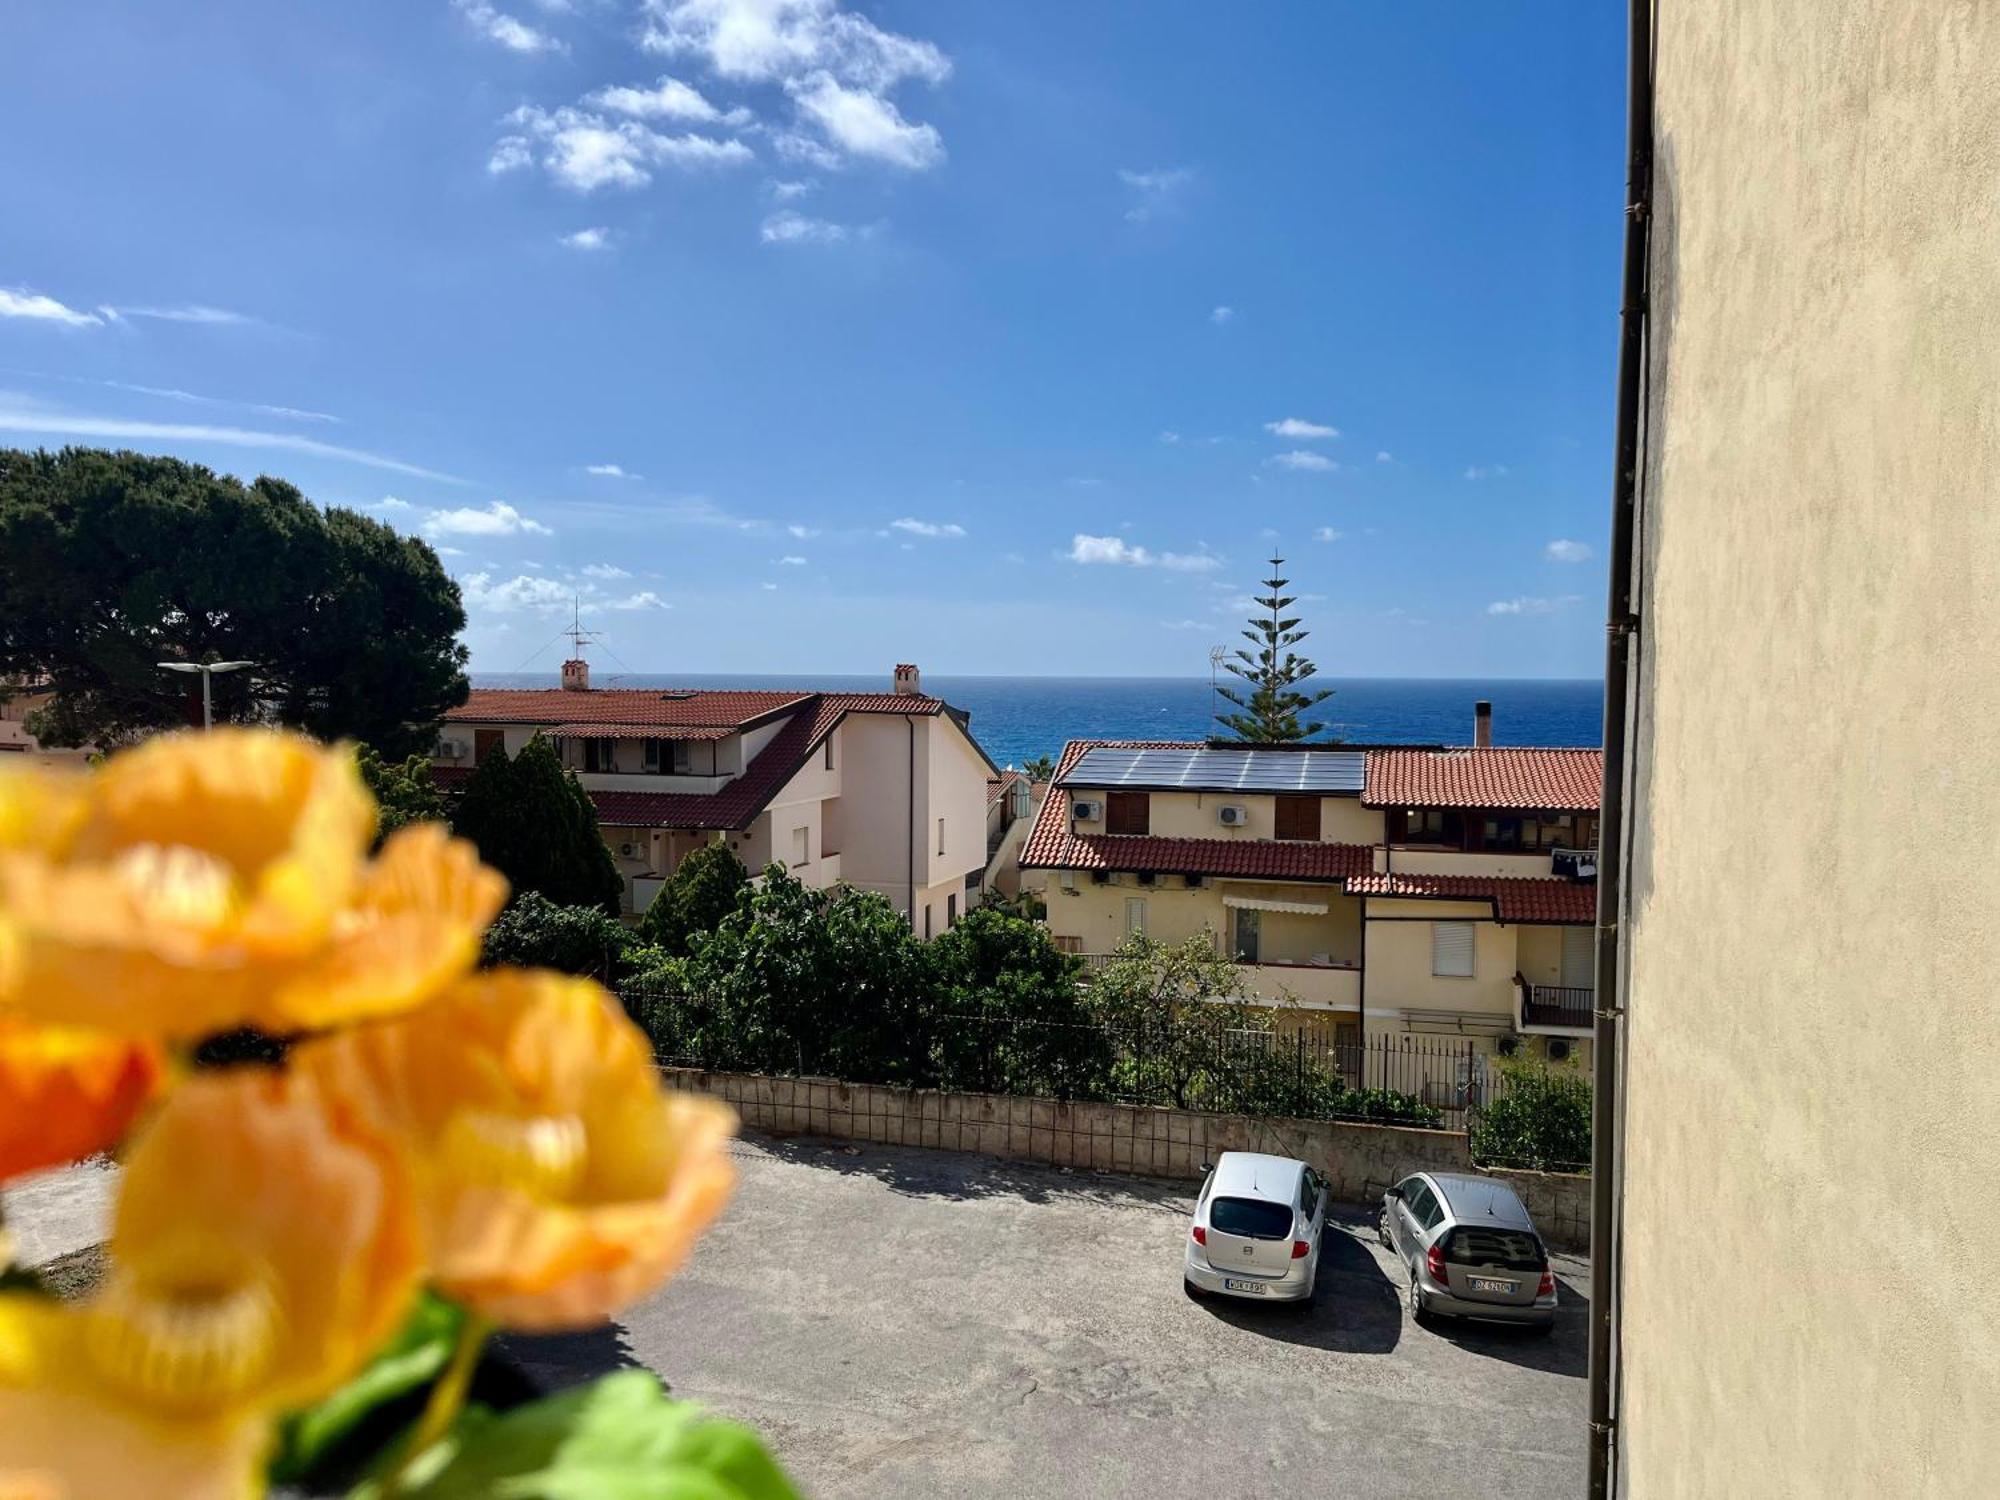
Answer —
(905, 1323)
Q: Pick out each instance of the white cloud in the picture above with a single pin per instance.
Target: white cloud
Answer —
(607, 471)
(594, 238)
(1154, 190)
(1327, 534)
(1170, 437)
(497, 26)
(66, 425)
(497, 519)
(927, 528)
(585, 151)
(1563, 550)
(603, 570)
(759, 40)
(1488, 471)
(191, 398)
(864, 123)
(644, 599)
(1118, 552)
(444, 551)
(22, 303)
(669, 99)
(523, 591)
(784, 192)
(1301, 458)
(791, 560)
(801, 532)
(510, 154)
(1383, 457)
(772, 587)
(193, 312)
(389, 505)
(1298, 428)
(1222, 315)
(1531, 606)
(1184, 625)
(788, 228)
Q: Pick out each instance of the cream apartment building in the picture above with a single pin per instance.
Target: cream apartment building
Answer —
(883, 791)
(1423, 891)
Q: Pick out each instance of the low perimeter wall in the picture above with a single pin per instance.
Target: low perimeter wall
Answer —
(1357, 1160)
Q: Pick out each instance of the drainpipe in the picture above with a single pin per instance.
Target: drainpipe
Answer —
(910, 844)
(1621, 626)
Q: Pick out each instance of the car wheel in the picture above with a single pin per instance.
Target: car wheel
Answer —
(1382, 1230)
(1419, 1309)
(1194, 1292)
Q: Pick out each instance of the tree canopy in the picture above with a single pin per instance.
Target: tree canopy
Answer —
(404, 794)
(533, 822)
(111, 563)
(1271, 699)
(695, 898)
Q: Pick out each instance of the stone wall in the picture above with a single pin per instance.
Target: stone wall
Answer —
(1357, 1160)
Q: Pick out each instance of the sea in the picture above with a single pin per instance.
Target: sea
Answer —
(1019, 718)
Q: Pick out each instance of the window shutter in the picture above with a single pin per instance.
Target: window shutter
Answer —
(1451, 950)
(1579, 957)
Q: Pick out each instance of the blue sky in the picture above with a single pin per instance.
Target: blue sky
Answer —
(796, 336)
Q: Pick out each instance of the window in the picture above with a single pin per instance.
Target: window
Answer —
(829, 752)
(485, 742)
(684, 757)
(1427, 825)
(600, 755)
(950, 911)
(1127, 812)
(650, 758)
(1250, 1218)
(927, 921)
(801, 846)
(1494, 1248)
(1579, 958)
(1298, 818)
(1249, 930)
(1451, 950)
(1135, 916)
(940, 835)
(1422, 1204)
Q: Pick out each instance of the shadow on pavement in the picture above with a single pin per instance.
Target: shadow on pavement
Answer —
(545, 1362)
(1354, 1309)
(1565, 1350)
(920, 1172)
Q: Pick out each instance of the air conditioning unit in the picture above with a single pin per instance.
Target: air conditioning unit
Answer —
(628, 851)
(1232, 816)
(1194, 882)
(1559, 1048)
(450, 749)
(1087, 812)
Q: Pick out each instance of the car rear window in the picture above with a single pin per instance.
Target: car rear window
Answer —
(1513, 1249)
(1251, 1217)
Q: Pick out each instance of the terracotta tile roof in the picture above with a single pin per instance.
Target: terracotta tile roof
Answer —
(739, 802)
(996, 786)
(597, 731)
(1052, 845)
(1514, 898)
(662, 708)
(1502, 776)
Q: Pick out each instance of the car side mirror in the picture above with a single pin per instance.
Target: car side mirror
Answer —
(1394, 1192)
(1207, 1167)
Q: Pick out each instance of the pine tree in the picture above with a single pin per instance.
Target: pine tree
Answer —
(1272, 700)
(534, 823)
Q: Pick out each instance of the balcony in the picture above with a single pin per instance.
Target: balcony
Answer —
(1554, 1007)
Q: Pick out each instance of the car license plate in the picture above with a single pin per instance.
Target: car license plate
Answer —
(1482, 1284)
(1231, 1283)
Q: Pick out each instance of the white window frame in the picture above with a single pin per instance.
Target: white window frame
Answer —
(1135, 916)
(802, 844)
(1444, 962)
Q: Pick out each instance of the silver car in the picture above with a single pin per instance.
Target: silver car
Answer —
(1256, 1229)
(1470, 1249)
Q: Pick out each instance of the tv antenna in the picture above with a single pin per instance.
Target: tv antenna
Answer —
(578, 636)
(1216, 656)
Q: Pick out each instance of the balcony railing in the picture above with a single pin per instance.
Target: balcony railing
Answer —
(1558, 1005)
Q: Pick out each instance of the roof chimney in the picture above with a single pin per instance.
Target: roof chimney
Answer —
(1482, 724)
(907, 683)
(576, 676)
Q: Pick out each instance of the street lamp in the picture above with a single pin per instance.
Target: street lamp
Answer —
(208, 669)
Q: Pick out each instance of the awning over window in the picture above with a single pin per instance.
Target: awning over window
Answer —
(1259, 903)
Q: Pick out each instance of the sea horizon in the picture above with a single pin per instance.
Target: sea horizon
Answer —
(1018, 717)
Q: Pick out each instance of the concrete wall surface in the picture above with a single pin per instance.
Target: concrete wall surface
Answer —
(1809, 1303)
(1357, 1160)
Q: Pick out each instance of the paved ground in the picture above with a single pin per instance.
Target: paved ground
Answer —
(905, 1323)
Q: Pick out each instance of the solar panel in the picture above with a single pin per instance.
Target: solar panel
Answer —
(1210, 770)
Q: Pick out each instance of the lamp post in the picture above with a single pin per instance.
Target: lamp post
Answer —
(208, 669)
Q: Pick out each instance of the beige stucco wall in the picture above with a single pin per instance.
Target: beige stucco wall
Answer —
(1399, 959)
(957, 795)
(1809, 1305)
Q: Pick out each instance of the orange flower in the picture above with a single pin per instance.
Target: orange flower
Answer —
(65, 1094)
(203, 882)
(260, 1252)
(559, 1179)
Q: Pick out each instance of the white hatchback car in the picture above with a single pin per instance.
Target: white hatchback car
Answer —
(1256, 1229)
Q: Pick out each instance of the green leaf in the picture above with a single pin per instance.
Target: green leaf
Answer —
(407, 1363)
(618, 1438)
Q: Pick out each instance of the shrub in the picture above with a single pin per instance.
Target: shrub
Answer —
(1005, 1013)
(533, 822)
(693, 900)
(535, 933)
(404, 794)
(1540, 1122)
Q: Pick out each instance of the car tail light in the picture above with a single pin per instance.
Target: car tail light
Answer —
(1300, 1249)
(1434, 1263)
(1547, 1288)
(1200, 1235)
